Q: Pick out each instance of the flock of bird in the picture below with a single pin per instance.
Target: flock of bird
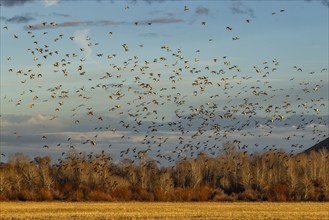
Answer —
(169, 106)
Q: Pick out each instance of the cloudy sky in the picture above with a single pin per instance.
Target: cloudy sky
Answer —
(170, 77)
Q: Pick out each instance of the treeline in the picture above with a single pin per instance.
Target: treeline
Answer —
(230, 176)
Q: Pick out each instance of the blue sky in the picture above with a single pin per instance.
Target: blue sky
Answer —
(278, 36)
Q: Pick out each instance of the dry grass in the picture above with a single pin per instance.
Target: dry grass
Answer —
(138, 210)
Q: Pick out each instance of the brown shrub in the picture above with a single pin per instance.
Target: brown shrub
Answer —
(202, 193)
(99, 196)
(26, 195)
(161, 195)
(141, 194)
(4, 197)
(180, 194)
(122, 194)
(278, 193)
(76, 195)
(248, 195)
(220, 195)
(58, 195)
(46, 194)
(68, 187)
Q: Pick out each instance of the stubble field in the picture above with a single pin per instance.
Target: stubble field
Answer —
(139, 210)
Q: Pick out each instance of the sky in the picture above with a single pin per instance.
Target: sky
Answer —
(173, 78)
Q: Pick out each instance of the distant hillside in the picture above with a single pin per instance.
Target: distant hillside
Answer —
(319, 146)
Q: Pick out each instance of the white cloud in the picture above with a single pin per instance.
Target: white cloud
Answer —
(80, 38)
(48, 3)
(24, 134)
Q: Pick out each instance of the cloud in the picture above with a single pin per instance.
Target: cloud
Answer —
(75, 23)
(11, 3)
(18, 19)
(251, 139)
(80, 37)
(28, 17)
(25, 124)
(48, 3)
(162, 21)
(158, 21)
(239, 8)
(70, 24)
(149, 35)
(158, 12)
(202, 10)
(323, 2)
(103, 23)
(153, 35)
(29, 131)
(59, 14)
(150, 1)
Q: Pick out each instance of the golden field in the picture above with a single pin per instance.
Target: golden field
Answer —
(149, 210)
